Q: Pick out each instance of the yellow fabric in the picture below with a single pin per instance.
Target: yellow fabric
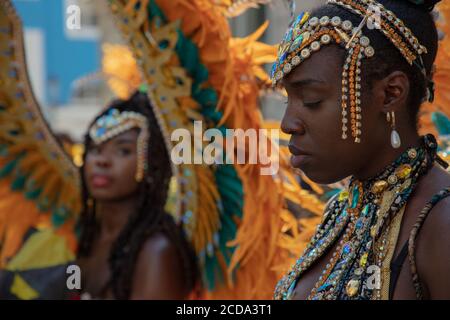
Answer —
(17, 216)
(42, 249)
(22, 290)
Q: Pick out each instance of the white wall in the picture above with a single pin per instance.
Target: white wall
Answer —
(35, 56)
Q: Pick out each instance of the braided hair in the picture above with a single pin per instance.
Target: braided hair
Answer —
(150, 217)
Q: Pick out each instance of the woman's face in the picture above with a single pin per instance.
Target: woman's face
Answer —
(314, 120)
(110, 168)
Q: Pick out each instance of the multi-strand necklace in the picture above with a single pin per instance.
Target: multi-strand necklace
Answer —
(361, 219)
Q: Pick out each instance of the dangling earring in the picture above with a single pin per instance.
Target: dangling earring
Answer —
(396, 142)
(90, 203)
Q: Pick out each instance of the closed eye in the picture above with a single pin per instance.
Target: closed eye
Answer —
(312, 104)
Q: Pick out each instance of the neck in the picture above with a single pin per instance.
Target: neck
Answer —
(386, 156)
(114, 215)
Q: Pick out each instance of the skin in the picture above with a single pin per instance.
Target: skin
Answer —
(313, 119)
(110, 177)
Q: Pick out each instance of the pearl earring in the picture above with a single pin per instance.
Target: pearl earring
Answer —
(396, 142)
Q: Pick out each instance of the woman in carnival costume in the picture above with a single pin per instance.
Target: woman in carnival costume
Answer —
(362, 69)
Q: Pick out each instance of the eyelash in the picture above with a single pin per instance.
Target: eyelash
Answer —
(313, 104)
(308, 105)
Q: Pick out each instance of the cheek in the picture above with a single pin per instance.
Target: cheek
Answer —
(129, 165)
(125, 169)
(326, 123)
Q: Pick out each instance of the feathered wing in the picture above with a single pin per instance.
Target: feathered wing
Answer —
(39, 185)
(441, 75)
(237, 219)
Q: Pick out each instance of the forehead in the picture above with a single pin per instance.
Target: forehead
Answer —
(324, 66)
(129, 136)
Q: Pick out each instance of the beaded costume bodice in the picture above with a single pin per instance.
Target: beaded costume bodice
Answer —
(363, 222)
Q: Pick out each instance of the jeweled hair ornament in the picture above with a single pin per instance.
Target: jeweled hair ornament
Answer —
(308, 34)
(115, 123)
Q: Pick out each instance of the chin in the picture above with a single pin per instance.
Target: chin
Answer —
(101, 195)
(320, 175)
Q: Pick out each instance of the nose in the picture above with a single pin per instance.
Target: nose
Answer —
(102, 161)
(291, 123)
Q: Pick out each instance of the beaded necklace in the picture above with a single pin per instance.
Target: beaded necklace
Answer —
(361, 218)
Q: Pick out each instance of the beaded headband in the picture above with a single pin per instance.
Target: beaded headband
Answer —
(114, 123)
(307, 35)
(392, 27)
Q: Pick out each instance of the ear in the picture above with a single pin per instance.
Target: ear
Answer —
(396, 91)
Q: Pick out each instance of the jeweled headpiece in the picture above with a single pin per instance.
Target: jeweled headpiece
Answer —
(307, 35)
(114, 123)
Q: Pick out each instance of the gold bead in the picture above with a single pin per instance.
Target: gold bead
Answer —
(343, 195)
(373, 231)
(404, 171)
(352, 288)
(363, 260)
(379, 186)
(412, 153)
(392, 179)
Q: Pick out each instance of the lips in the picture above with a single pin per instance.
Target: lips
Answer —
(100, 181)
(299, 156)
(299, 161)
(296, 151)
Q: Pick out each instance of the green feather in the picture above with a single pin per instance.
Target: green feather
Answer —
(59, 216)
(228, 182)
(154, 11)
(44, 205)
(441, 122)
(188, 54)
(211, 265)
(201, 74)
(9, 167)
(3, 150)
(206, 97)
(19, 182)
(33, 194)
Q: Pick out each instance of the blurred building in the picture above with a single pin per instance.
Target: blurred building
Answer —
(65, 60)
(57, 54)
(278, 14)
(62, 42)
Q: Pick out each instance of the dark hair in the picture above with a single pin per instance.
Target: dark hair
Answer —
(149, 219)
(388, 59)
